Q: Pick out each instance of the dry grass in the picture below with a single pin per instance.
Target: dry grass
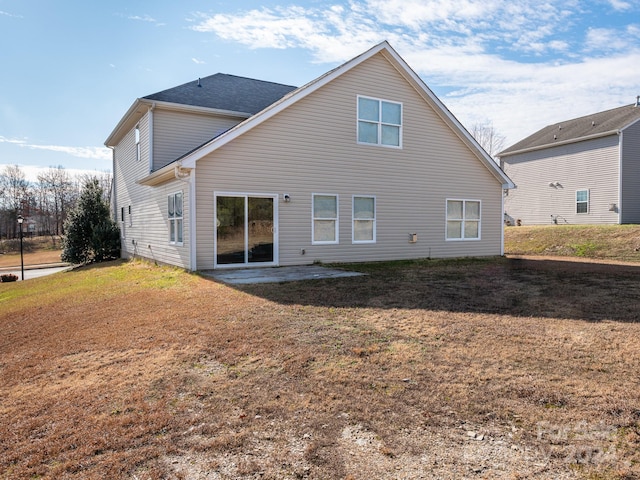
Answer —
(456, 369)
(617, 242)
(36, 251)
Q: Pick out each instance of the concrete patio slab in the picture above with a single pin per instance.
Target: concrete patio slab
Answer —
(277, 274)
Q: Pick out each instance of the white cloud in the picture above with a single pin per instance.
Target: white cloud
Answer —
(143, 18)
(147, 19)
(17, 141)
(620, 5)
(92, 153)
(598, 39)
(198, 62)
(479, 52)
(31, 172)
(7, 14)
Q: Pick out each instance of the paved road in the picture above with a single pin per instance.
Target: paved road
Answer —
(35, 272)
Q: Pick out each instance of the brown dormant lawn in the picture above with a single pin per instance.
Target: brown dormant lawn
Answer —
(479, 369)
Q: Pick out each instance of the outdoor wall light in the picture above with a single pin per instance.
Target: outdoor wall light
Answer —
(20, 220)
(286, 197)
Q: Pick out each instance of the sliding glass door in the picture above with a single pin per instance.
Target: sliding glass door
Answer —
(245, 230)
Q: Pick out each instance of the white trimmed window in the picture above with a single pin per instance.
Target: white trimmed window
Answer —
(122, 230)
(325, 219)
(379, 122)
(364, 219)
(174, 214)
(463, 219)
(137, 139)
(582, 201)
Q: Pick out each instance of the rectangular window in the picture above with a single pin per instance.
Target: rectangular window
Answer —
(130, 217)
(463, 220)
(175, 218)
(379, 122)
(364, 219)
(137, 133)
(122, 231)
(582, 201)
(325, 219)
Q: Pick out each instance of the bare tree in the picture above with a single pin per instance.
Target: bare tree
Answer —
(488, 138)
(56, 197)
(15, 199)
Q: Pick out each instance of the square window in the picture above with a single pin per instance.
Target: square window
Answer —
(379, 122)
(463, 220)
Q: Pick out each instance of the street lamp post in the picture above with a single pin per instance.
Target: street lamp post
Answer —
(20, 220)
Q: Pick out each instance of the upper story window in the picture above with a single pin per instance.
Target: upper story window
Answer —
(463, 220)
(137, 133)
(379, 122)
(325, 219)
(582, 201)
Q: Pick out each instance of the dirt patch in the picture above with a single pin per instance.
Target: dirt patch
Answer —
(458, 369)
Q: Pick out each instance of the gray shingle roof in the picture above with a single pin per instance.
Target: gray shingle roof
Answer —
(578, 129)
(225, 92)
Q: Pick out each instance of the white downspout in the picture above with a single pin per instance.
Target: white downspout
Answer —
(620, 145)
(190, 180)
(151, 108)
(193, 257)
(114, 198)
(502, 222)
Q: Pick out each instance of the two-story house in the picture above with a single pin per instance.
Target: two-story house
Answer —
(364, 163)
(580, 171)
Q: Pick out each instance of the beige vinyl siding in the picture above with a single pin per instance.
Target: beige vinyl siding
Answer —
(311, 147)
(591, 165)
(148, 235)
(630, 177)
(176, 133)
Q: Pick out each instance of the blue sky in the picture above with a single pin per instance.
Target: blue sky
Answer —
(70, 69)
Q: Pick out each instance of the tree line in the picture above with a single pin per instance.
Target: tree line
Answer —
(45, 204)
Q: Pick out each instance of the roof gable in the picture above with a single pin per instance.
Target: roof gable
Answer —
(595, 125)
(225, 92)
(189, 160)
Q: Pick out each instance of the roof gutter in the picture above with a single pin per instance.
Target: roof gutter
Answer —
(128, 118)
(182, 107)
(558, 144)
(166, 173)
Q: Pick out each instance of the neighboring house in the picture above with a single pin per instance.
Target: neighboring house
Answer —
(362, 164)
(580, 171)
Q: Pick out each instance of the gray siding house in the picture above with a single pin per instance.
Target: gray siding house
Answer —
(362, 164)
(580, 171)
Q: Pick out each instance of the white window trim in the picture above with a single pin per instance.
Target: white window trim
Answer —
(136, 139)
(336, 219)
(379, 123)
(276, 234)
(446, 223)
(174, 219)
(122, 223)
(587, 202)
(353, 219)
